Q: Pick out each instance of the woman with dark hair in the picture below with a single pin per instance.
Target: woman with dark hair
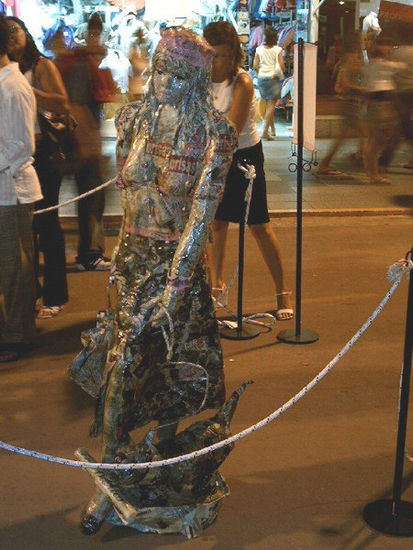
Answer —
(51, 96)
(269, 65)
(234, 96)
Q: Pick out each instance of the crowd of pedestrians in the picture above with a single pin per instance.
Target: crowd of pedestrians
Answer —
(37, 95)
(71, 85)
(374, 83)
(373, 79)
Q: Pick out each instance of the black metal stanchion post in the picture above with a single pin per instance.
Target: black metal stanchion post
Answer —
(299, 336)
(241, 331)
(395, 516)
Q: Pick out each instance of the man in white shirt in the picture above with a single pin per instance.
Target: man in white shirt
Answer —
(19, 189)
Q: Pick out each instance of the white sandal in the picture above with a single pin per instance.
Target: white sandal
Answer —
(286, 313)
(220, 299)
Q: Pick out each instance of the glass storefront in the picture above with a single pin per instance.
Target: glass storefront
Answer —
(132, 28)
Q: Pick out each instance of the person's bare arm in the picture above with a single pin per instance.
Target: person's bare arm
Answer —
(256, 62)
(52, 96)
(241, 101)
(281, 61)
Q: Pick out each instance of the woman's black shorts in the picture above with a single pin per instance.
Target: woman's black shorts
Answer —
(231, 207)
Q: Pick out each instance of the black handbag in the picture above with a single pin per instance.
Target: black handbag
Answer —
(57, 132)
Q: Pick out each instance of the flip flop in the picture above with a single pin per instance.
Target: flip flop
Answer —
(332, 173)
(380, 181)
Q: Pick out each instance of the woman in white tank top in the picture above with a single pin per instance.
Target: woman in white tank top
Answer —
(269, 66)
(234, 95)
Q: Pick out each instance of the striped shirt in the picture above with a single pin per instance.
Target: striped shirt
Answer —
(18, 178)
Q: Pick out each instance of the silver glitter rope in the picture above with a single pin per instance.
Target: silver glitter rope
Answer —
(395, 273)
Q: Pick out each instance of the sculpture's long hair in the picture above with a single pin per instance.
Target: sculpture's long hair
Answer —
(197, 110)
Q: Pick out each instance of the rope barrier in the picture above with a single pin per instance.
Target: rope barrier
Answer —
(78, 198)
(395, 274)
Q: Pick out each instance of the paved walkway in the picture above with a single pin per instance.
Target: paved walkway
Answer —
(300, 483)
(323, 194)
(320, 194)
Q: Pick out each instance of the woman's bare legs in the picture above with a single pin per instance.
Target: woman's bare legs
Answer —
(375, 144)
(324, 165)
(270, 250)
(216, 253)
(335, 146)
(269, 118)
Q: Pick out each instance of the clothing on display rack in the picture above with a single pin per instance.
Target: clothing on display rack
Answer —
(286, 35)
(269, 8)
(371, 23)
(256, 37)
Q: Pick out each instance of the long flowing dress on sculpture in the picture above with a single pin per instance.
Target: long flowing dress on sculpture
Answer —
(172, 181)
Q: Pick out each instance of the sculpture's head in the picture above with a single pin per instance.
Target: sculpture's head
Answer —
(181, 64)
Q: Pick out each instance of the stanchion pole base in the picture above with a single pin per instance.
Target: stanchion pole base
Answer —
(247, 332)
(379, 516)
(291, 337)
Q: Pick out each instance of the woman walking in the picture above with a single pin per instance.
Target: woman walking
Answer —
(234, 96)
(269, 66)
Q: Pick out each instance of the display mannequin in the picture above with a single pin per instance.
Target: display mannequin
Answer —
(371, 23)
(178, 149)
(240, 12)
(128, 24)
(131, 37)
